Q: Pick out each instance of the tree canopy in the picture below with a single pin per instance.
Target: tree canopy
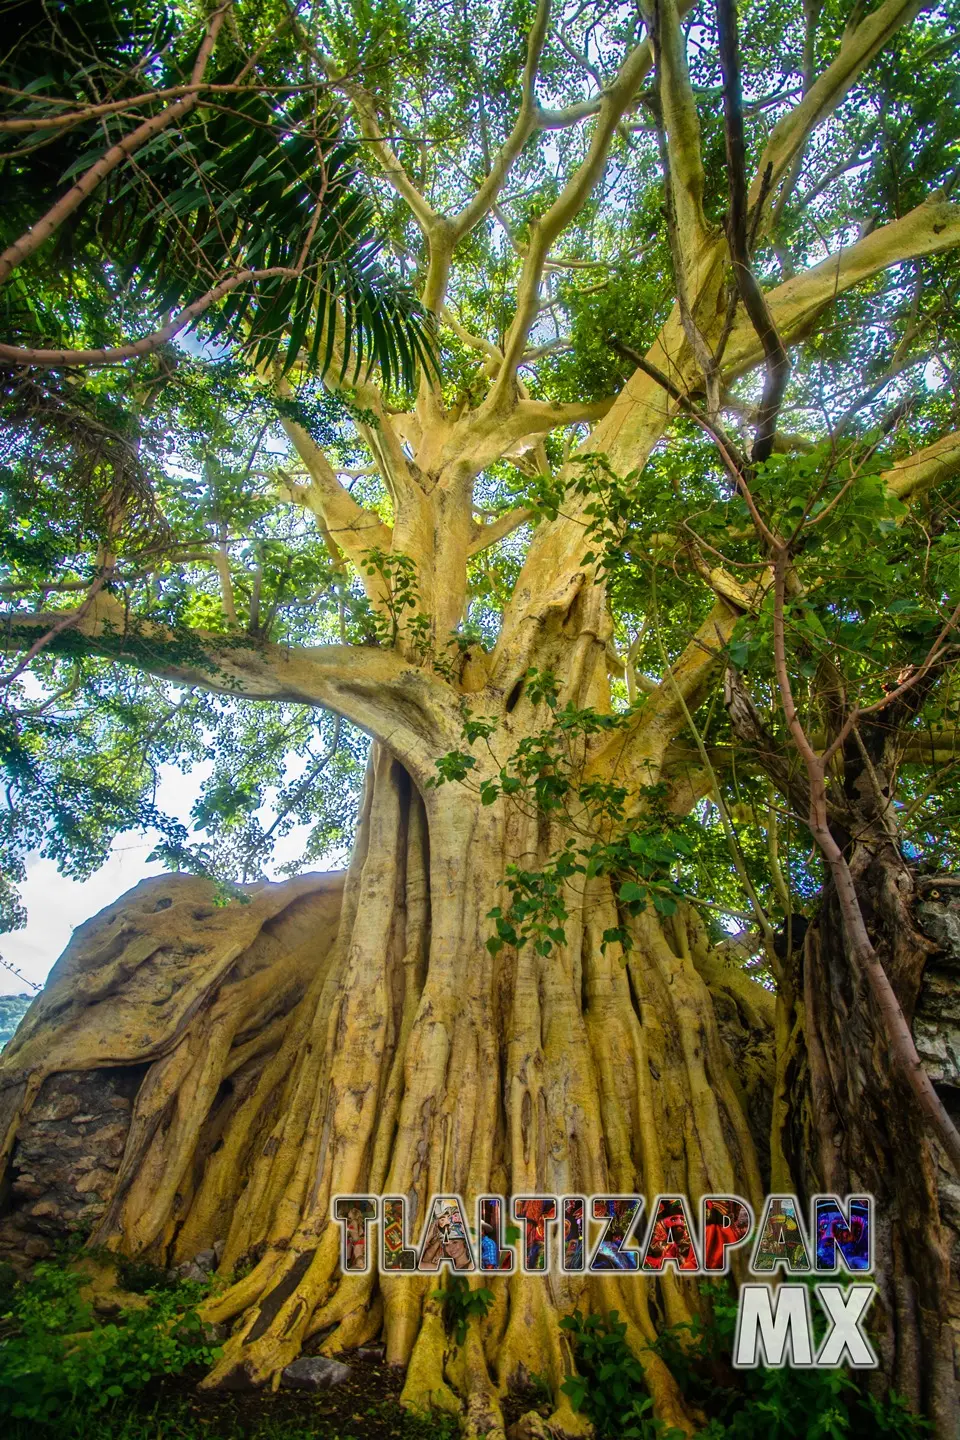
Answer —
(512, 164)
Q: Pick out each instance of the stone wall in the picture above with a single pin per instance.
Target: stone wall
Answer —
(64, 1164)
(937, 1020)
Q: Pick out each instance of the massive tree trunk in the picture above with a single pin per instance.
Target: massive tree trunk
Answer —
(210, 1076)
(284, 1060)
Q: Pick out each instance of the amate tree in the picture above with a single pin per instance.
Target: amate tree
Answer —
(639, 569)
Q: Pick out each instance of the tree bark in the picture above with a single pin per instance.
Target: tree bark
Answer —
(847, 1119)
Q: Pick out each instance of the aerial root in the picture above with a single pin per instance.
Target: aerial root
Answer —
(359, 1327)
(469, 1380)
(349, 1309)
(467, 1372)
(426, 1387)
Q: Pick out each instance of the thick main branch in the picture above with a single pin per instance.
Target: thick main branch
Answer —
(412, 712)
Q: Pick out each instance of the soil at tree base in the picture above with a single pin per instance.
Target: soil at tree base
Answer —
(363, 1407)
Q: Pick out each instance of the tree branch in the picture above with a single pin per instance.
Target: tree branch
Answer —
(928, 467)
(147, 344)
(812, 10)
(498, 529)
(637, 754)
(929, 228)
(546, 229)
(857, 49)
(539, 417)
(643, 408)
(524, 126)
(408, 709)
(681, 126)
(29, 243)
(775, 356)
(350, 526)
(865, 957)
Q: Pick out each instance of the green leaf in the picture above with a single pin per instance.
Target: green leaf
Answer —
(630, 891)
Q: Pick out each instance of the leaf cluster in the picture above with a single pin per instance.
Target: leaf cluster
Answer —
(258, 178)
(783, 1403)
(462, 1303)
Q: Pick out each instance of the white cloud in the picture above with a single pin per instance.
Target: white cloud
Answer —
(56, 904)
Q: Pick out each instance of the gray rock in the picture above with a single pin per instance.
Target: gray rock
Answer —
(375, 1353)
(26, 1187)
(315, 1372)
(941, 921)
(936, 1025)
(190, 1271)
(206, 1260)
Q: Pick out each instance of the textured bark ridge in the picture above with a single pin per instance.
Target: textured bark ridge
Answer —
(200, 1077)
(348, 1034)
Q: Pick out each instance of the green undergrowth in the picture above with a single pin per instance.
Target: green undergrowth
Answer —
(461, 1304)
(69, 1371)
(58, 1356)
(778, 1404)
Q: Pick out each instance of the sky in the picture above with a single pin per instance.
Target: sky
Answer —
(56, 904)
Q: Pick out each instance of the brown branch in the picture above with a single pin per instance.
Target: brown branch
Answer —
(775, 355)
(769, 752)
(936, 652)
(308, 780)
(30, 242)
(132, 102)
(115, 355)
(734, 463)
(865, 956)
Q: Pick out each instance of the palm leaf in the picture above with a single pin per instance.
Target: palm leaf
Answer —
(261, 181)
